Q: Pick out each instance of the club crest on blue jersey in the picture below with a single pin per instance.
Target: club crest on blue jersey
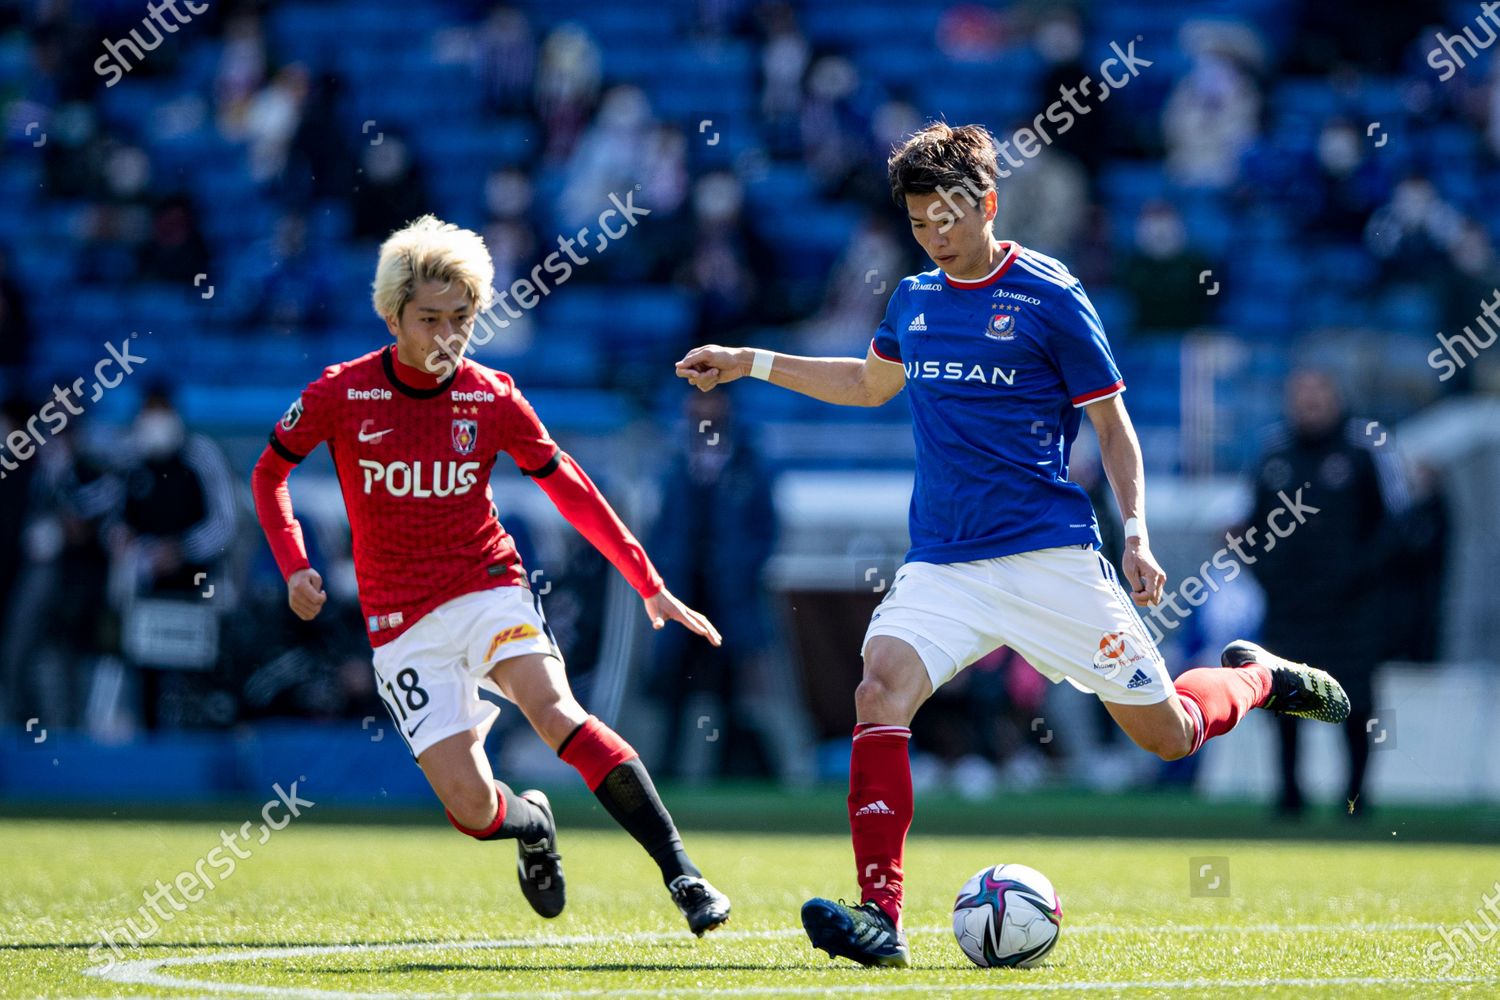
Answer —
(1002, 327)
(465, 435)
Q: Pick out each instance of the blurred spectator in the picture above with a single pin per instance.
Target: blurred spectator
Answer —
(853, 300)
(1411, 233)
(726, 255)
(319, 159)
(179, 507)
(61, 60)
(1471, 280)
(1325, 36)
(61, 626)
(1350, 182)
(296, 291)
(1418, 604)
(14, 503)
(614, 156)
(1326, 580)
(1161, 273)
(177, 251)
(968, 32)
(1212, 116)
(1058, 39)
(511, 235)
(73, 156)
(784, 58)
(567, 85)
(715, 19)
(715, 532)
(505, 54)
(1043, 204)
(832, 146)
(15, 323)
(241, 70)
(391, 191)
(177, 520)
(119, 224)
(271, 120)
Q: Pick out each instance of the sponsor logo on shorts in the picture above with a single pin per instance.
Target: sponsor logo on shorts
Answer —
(1117, 650)
(510, 634)
(1137, 680)
(392, 620)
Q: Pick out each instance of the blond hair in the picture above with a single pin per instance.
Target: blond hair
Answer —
(429, 249)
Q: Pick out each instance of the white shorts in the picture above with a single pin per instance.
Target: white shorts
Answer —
(1062, 609)
(429, 676)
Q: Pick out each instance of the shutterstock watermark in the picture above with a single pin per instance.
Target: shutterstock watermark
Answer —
(523, 294)
(22, 443)
(1446, 59)
(1445, 355)
(191, 882)
(1195, 589)
(1029, 140)
(1448, 952)
(114, 61)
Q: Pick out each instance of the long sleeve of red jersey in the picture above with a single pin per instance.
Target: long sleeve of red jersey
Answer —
(575, 495)
(273, 508)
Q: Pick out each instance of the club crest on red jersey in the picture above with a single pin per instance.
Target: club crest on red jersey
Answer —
(465, 435)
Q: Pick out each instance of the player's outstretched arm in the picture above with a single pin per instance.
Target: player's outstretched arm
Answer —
(576, 497)
(1120, 453)
(842, 381)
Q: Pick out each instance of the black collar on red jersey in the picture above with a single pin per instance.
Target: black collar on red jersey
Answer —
(388, 362)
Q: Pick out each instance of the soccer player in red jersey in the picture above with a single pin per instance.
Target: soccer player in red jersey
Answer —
(414, 430)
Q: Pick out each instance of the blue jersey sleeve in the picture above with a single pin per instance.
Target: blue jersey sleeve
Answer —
(886, 344)
(1081, 351)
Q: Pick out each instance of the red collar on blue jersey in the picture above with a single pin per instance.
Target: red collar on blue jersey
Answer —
(1012, 251)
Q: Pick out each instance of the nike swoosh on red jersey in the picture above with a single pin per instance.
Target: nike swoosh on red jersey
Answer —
(365, 438)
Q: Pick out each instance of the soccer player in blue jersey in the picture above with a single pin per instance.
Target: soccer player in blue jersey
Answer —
(1002, 353)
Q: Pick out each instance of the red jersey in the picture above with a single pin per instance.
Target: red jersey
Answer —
(414, 457)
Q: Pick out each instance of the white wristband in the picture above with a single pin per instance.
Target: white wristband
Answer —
(1133, 528)
(761, 367)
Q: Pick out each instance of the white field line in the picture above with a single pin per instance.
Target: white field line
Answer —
(147, 972)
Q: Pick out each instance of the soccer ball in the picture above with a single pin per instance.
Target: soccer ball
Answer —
(1007, 915)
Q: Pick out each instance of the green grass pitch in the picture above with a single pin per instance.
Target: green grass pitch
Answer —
(341, 909)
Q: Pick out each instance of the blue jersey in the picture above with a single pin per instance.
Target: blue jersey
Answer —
(997, 370)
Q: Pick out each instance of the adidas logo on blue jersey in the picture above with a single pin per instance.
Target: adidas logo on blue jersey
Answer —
(1138, 680)
(920, 323)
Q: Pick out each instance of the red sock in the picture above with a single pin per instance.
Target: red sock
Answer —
(488, 831)
(1219, 697)
(880, 810)
(595, 750)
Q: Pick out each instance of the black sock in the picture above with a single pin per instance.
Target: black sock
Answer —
(628, 795)
(523, 821)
